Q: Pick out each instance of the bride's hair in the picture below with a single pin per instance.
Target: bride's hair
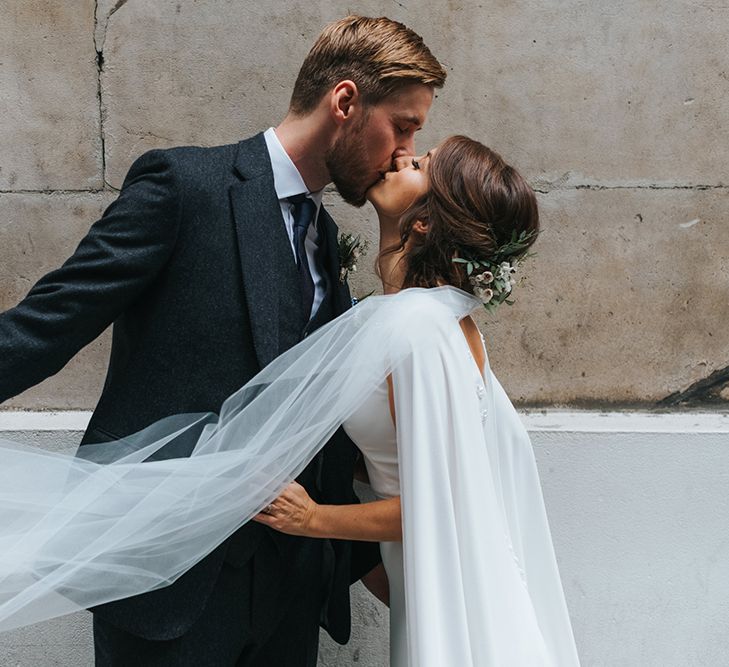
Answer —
(473, 205)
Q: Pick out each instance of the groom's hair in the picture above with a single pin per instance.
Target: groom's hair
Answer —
(380, 55)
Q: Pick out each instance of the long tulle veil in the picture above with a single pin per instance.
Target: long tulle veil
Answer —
(107, 523)
(481, 579)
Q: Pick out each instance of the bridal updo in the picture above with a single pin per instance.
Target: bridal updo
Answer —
(473, 205)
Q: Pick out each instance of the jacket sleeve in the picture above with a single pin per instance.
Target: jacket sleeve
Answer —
(113, 264)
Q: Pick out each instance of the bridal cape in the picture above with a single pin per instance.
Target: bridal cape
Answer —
(82, 528)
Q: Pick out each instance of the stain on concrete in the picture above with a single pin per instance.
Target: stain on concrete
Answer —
(711, 389)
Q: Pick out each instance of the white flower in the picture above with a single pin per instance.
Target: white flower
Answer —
(485, 294)
(506, 269)
(482, 278)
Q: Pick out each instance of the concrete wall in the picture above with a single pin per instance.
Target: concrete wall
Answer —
(614, 111)
(638, 509)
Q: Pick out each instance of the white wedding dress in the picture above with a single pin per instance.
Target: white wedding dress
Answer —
(474, 582)
(372, 429)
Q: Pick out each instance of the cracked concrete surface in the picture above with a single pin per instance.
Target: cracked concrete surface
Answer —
(99, 36)
(615, 116)
(103, 11)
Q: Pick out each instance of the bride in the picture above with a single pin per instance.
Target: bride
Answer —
(464, 536)
(460, 199)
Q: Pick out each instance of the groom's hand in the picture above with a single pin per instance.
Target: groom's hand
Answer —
(292, 512)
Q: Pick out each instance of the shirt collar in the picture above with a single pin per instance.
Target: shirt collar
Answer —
(286, 177)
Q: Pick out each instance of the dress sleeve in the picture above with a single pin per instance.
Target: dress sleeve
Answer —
(466, 600)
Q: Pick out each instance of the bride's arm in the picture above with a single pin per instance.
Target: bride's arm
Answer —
(295, 513)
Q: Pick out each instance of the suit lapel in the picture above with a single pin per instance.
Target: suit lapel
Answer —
(338, 291)
(269, 270)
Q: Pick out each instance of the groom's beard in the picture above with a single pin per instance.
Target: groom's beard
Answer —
(345, 160)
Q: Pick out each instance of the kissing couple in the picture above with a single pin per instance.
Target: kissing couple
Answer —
(208, 517)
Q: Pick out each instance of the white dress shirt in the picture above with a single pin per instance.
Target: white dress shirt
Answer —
(288, 182)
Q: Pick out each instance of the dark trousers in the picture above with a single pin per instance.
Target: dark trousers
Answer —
(262, 614)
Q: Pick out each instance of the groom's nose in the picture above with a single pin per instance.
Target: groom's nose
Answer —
(402, 161)
(406, 146)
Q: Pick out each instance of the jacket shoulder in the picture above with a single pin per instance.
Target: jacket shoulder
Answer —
(190, 168)
(196, 160)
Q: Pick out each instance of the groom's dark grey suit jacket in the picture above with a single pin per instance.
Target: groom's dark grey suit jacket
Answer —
(193, 266)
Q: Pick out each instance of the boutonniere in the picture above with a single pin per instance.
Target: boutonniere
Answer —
(351, 248)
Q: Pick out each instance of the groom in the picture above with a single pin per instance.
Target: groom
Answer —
(211, 262)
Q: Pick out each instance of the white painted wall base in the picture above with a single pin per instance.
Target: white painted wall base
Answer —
(639, 510)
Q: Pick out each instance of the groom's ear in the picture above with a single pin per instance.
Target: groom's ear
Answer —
(345, 100)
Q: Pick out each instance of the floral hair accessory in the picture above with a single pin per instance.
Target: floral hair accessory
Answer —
(493, 279)
(351, 248)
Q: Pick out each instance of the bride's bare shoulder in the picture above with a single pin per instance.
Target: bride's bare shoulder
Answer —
(474, 339)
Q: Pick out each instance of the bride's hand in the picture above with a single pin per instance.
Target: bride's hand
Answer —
(292, 512)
